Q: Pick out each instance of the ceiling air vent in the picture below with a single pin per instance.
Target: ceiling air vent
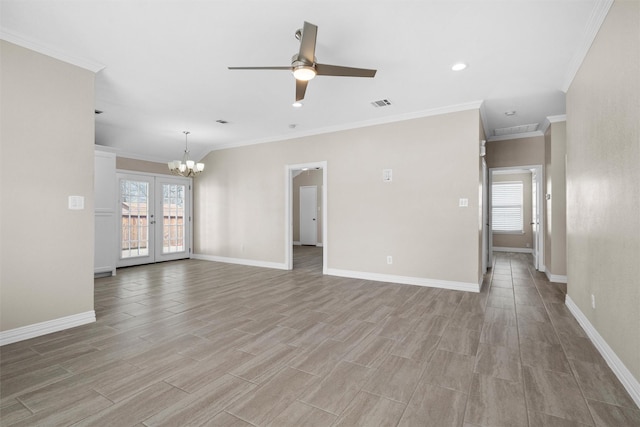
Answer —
(222, 122)
(516, 129)
(381, 103)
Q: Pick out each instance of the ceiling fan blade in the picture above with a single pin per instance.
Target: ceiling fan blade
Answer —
(301, 88)
(336, 70)
(261, 68)
(308, 42)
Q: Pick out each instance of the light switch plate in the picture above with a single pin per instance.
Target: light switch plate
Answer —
(76, 203)
(387, 175)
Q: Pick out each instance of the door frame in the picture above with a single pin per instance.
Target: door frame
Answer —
(155, 178)
(539, 170)
(288, 212)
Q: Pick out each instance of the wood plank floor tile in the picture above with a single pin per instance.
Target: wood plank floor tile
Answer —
(202, 405)
(232, 345)
(320, 360)
(262, 367)
(300, 414)
(598, 382)
(204, 372)
(396, 378)
(498, 362)
(225, 419)
(450, 370)
(265, 403)
(460, 340)
(605, 414)
(338, 388)
(372, 411)
(13, 411)
(136, 408)
(555, 393)
(87, 405)
(371, 350)
(434, 406)
(537, 419)
(543, 355)
(417, 347)
(496, 402)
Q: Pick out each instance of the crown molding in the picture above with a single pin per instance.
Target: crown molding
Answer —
(50, 51)
(474, 105)
(598, 14)
(552, 119)
(515, 136)
(558, 118)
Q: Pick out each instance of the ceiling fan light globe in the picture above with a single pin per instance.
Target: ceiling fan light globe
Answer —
(304, 72)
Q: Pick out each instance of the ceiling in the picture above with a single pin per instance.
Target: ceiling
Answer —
(162, 65)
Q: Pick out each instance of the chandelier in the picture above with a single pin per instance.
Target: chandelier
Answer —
(186, 166)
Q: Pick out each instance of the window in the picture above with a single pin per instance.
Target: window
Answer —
(506, 207)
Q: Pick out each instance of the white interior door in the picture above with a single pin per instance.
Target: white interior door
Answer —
(308, 215)
(155, 222)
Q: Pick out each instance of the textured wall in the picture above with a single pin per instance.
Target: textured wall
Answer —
(603, 176)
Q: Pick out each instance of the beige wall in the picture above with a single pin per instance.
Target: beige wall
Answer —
(555, 243)
(124, 163)
(47, 122)
(516, 152)
(239, 198)
(309, 177)
(603, 195)
(524, 240)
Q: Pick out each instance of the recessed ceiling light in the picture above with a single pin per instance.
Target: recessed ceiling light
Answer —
(297, 104)
(510, 113)
(459, 66)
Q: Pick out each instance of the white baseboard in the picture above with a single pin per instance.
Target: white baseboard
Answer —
(319, 245)
(519, 250)
(43, 328)
(627, 379)
(406, 280)
(241, 261)
(557, 278)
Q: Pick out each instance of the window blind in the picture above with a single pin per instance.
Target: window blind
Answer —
(506, 207)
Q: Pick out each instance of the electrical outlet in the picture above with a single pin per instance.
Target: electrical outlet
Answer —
(463, 202)
(389, 259)
(593, 301)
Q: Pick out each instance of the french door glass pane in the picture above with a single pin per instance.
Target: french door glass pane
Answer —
(134, 197)
(173, 201)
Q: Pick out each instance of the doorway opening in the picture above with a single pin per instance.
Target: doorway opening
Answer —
(517, 226)
(306, 216)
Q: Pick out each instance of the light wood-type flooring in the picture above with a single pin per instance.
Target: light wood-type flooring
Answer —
(194, 343)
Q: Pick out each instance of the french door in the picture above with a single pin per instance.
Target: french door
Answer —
(155, 220)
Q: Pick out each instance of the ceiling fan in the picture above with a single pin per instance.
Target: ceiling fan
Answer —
(304, 66)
